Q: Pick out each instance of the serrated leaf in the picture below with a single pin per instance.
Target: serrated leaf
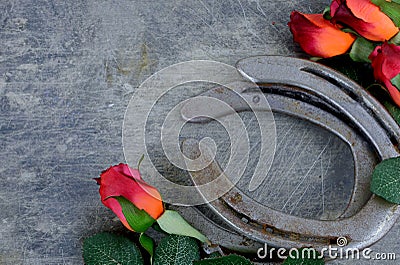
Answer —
(361, 49)
(227, 260)
(139, 220)
(110, 249)
(390, 8)
(147, 243)
(177, 250)
(172, 223)
(386, 180)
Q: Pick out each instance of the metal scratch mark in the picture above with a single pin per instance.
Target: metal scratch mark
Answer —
(305, 176)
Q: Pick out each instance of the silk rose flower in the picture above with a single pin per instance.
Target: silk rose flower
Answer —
(322, 37)
(364, 17)
(385, 60)
(318, 36)
(122, 181)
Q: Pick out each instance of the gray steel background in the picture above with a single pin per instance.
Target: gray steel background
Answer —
(67, 72)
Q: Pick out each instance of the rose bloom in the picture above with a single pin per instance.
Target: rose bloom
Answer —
(121, 180)
(365, 18)
(318, 36)
(385, 61)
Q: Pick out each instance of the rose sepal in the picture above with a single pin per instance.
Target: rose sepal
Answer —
(139, 220)
(173, 223)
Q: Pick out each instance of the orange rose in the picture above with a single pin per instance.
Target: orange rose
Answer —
(365, 18)
(317, 36)
(385, 61)
(121, 180)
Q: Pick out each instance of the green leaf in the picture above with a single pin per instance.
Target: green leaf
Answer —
(396, 39)
(390, 8)
(110, 249)
(361, 49)
(380, 92)
(361, 73)
(327, 13)
(396, 81)
(147, 243)
(386, 180)
(138, 220)
(350, 30)
(214, 255)
(394, 111)
(177, 250)
(172, 223)
(227, 260)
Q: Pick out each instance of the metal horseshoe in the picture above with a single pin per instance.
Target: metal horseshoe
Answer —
(326, 98)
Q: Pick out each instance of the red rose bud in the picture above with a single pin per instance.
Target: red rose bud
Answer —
(365, 18)
(385, 61)
(123, 181)
(317, 36)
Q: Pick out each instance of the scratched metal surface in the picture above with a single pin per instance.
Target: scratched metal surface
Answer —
(67, 72)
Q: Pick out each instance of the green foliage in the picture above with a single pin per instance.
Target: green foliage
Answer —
(361, 49)
(394, 110)
(396, 39)
(110, 249)
(227, 260)
(214, 255)
(390, 8)
(327, 13)
(359, 72)
(386, 180)
(396, 81)
(383, 96)
(138, 220)
(362, 73)
(177, 250)
(172, 223)
(147, 243)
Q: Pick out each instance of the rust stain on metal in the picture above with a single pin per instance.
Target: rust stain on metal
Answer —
(220, 90)
(236, 198)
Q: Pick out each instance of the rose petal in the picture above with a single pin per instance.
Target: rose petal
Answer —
(118, 181)
(127, 171)
(317, 36)
(114, 205)
(365, 18)
(385, 61)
